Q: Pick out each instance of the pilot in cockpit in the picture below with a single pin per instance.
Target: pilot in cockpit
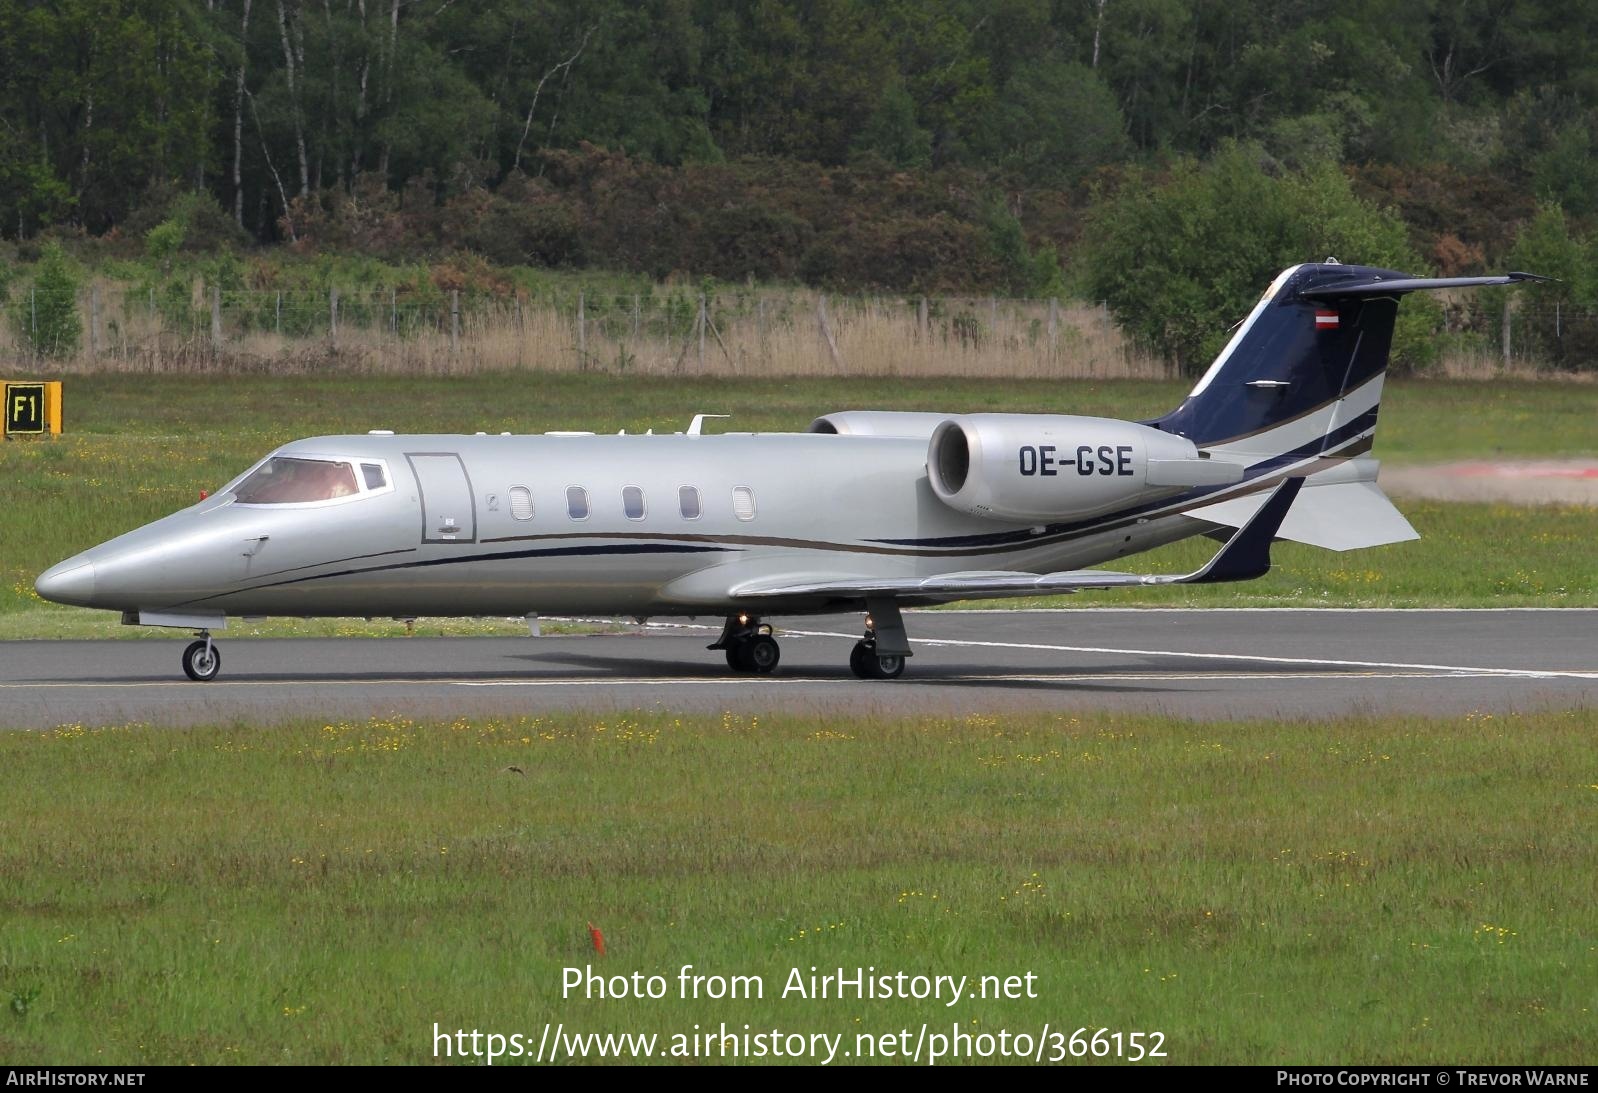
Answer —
(288, 480)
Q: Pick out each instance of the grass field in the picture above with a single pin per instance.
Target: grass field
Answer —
(139, 447)
(1406, 890)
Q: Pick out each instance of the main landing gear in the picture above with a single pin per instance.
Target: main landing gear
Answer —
(202, 660)
(749, 645)
(865, 662)
(880, 654)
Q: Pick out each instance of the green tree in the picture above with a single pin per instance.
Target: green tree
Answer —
(31, 196)
(1547, 245)
(892, 131)
(1053, 122)
(1565, 172)
(102, 97)
(1179, 260)
(46, 317)
(1026, 271)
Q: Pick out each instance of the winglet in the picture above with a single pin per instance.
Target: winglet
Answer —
(1247, 554)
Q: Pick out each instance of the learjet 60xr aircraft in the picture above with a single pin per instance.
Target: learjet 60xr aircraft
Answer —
(867, 511)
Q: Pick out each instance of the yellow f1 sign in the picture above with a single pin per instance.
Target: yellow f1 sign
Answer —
(32, 408)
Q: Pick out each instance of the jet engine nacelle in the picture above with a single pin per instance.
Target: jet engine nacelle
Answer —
(1047, 467)
(914, 424)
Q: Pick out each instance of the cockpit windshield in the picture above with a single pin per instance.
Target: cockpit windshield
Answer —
(284, 480)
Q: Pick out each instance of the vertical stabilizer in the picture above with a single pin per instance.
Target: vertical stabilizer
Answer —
(1302, 376)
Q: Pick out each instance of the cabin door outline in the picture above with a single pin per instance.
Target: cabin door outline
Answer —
(444, 491)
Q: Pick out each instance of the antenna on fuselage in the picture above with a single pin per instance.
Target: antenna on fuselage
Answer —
(696, 427)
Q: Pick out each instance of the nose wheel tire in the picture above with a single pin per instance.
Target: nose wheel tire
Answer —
(758, 654)
(866, 664)
(202, 660)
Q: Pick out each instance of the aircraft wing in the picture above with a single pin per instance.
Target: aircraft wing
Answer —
(1246, 555)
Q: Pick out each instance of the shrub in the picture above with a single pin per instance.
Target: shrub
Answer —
(1180, 259)
(46, 319)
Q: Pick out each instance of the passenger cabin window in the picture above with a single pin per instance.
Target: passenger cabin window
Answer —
(632, 502)
(521, 502)
(743, 502)
(577, 503)
(287, 480)
(688, 502)
(373, 473)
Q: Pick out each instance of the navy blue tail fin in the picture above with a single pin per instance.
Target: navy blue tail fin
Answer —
(1310, 355)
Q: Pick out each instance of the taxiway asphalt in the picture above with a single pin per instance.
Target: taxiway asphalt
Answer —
(1200, 664)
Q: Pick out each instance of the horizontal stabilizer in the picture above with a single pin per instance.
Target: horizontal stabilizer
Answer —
(1338, 516)
(1246, 555)
(1389, 286)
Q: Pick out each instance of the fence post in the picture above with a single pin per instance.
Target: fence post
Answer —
(332, 313)
(33, 318)
(826, 332)
(582, 333)
(277, 315)
(1054, 320)
(454, 320)
(922, 330)
(701, 331)
(635, 316)
(216, 317)
(1506, 331)
(94, 318)
(393, 311)
(521, 325)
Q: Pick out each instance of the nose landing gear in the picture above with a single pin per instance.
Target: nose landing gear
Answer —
(202, 660)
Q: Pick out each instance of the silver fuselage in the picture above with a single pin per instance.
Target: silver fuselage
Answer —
(439, 543)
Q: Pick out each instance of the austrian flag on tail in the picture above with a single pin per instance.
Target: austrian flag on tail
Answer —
(1325, 320)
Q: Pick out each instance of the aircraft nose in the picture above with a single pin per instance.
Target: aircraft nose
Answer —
(71, 582)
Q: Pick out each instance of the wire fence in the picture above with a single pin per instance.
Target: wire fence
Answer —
(109, 327)
(1554, 337)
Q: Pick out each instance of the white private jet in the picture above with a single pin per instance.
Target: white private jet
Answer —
(867, 511)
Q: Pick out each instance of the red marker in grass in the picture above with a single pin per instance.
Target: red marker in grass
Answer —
(599, 939)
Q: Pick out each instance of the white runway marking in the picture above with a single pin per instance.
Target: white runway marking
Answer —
(1447, 669)
(1084, 677)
